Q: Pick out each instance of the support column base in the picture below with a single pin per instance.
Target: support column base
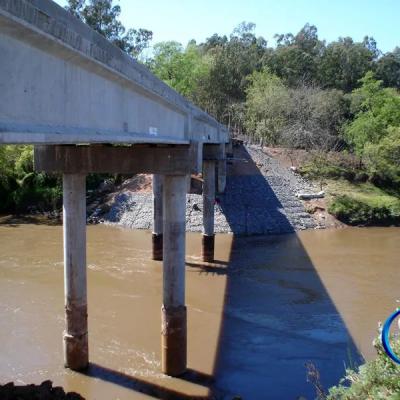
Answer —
(76, 351)
(157, 239)
(76, 348)
(208, 242)
(173, 340)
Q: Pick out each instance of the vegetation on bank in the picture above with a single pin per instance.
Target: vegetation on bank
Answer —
(375, 380)
(301, 93)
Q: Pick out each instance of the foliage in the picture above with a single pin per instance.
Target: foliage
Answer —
(295, 58)
(303, 117)
(21, 188)
(383, 159)
(375, 380)
(322, 167)
(231, 62)
(344, 62)
(184, 70)
(354, 212)
(267, 106)
(315, 118)
(388, 69)
(376, 109)
(102, 16)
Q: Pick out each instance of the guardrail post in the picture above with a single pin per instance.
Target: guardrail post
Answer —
(208, 238)
(76, 354)
(173, 311)
(157, 235)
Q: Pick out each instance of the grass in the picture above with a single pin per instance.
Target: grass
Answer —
(362, 203)
(363, 192)
(351, 196)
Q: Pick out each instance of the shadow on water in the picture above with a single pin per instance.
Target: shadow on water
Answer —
(155, 390)
(277, 314)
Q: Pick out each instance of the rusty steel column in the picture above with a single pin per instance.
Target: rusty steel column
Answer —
(222, 169)
(157, 235)
(208, 238)
(76, 354)
(173, 311)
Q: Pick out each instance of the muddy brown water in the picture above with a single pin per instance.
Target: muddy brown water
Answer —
(255, 316)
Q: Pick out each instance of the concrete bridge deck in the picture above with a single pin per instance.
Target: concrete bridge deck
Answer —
(61, 82)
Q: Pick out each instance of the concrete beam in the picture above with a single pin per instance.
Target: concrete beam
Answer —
(179, 159)
(157, 234)
(76, 354)
(208, 211)
(173, 311)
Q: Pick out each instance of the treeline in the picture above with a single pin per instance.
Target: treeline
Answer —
(301, 93)
(218, 74)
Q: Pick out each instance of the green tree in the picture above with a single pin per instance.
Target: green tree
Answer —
(296, 57)
(343, 63)
(103, 16)
(231, 62)
(267, 106)
(383, 159)
(376, 109)
(388, 69)
(183, 69)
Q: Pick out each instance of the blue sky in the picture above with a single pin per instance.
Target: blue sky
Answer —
(182, 20)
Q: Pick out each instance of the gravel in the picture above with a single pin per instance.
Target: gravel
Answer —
(253, 204)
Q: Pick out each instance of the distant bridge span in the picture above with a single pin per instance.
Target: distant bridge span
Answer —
(89, 107)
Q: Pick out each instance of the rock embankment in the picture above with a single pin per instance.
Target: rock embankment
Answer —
(44, 391)
(259, 199)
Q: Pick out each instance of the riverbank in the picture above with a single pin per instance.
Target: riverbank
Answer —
(260, 198)
(262, 183)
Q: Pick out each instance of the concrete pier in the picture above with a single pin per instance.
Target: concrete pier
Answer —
(221, 167)
(208, 210)
(76, 354)
(173, 311)
(157, 234)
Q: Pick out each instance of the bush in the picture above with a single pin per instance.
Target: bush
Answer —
(332, 165)
(22, 189)
(376, 109)
(356, 212)
(383, 159)
(375, 380)
(303, 117)
(267, 105)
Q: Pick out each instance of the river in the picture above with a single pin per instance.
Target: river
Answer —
(255, 317)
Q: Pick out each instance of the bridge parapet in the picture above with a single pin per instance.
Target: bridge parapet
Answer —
(63, 83)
